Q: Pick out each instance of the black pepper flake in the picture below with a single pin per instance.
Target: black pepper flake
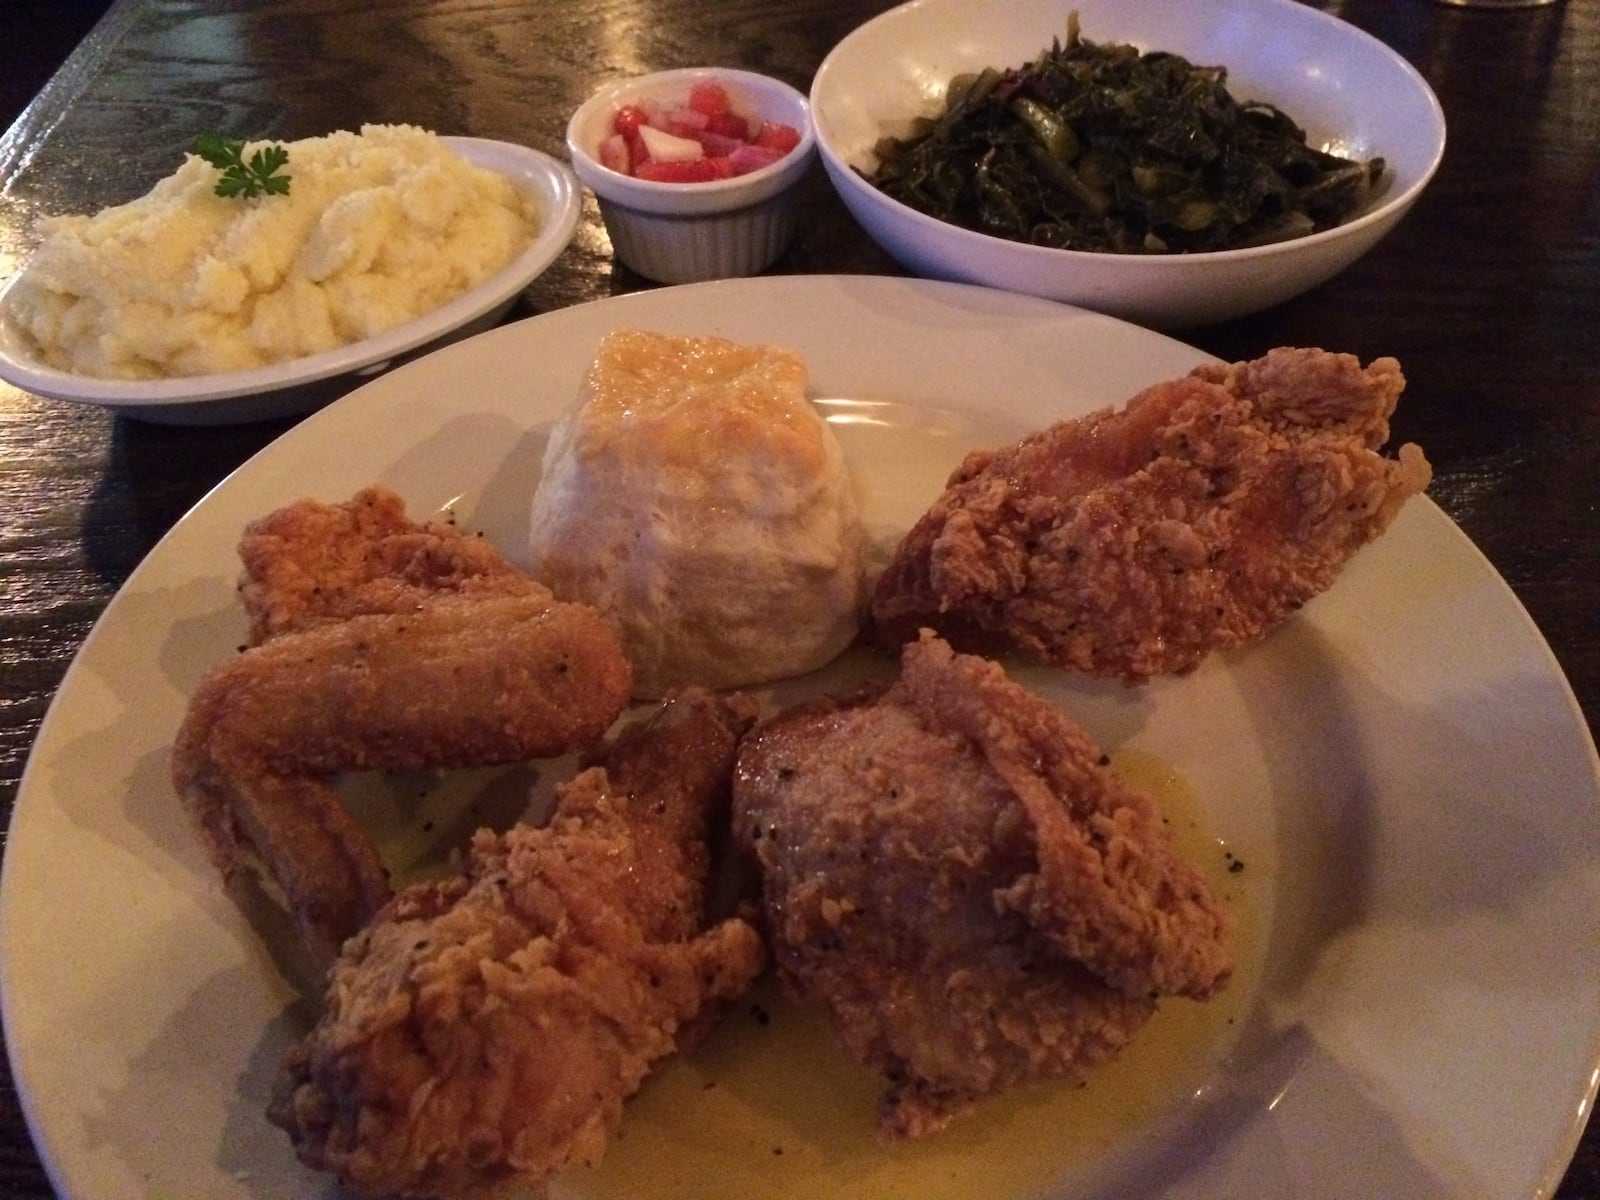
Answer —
(762, 1016)
(427, 827)
(1104, 760)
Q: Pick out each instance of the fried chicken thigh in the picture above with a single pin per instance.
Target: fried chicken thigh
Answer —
(375, 658)
(977, 902)
(1131, 543)
(485, 1029)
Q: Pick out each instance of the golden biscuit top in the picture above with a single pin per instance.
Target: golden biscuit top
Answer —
(672, 399)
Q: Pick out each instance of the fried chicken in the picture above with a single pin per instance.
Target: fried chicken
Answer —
(1133, 543)
(977, 902)
(309, 563)
(392, 646)
(485, 1030)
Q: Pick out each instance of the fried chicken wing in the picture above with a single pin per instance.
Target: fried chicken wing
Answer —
(1131, 543)
(460, 681)
(977, 902)
(311, 562)
(486, 1029)
(376, 643)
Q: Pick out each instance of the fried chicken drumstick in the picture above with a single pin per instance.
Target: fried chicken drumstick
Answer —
(485, 1029)
(977, 902)
(1131, 543)
(376, 659)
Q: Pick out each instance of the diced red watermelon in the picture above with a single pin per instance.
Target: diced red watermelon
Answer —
(708, 97)
(774, 136)
(729, 124)
(693, 170)
(627, 120)
(699, 140)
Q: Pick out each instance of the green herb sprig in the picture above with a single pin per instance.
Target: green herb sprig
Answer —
(255, 177)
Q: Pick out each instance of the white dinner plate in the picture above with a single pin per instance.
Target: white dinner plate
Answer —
(1401, 768)
(302, 384)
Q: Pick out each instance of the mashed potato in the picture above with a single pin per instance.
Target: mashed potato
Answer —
(697, 498)
(378, 227)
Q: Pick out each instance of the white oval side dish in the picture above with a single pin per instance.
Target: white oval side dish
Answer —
(302, 384)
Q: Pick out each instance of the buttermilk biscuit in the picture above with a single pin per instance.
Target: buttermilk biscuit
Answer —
(697, 498)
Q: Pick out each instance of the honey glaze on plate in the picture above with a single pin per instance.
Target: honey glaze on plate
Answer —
(768, 1105)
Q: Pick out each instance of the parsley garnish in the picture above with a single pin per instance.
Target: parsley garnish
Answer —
(240, 178)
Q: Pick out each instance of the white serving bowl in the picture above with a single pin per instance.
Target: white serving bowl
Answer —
(688, 232)
(299, 385)
(1351, 93)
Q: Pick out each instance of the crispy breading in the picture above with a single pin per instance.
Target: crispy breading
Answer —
(485, 1030)
(458, 681)
(1132, 543)
(309, 562)
(376, 643)
(977, 901)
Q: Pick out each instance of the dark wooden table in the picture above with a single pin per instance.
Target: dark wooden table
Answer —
(1489, 293)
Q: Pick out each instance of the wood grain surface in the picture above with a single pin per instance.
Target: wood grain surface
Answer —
(1488, 293)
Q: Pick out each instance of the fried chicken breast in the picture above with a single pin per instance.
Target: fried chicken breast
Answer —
(485, 1029)
(1131, 543)
(977, 902)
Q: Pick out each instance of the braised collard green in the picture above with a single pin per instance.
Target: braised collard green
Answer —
(1102, 147)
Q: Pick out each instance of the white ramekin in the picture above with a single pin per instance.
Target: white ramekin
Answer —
(686, 232)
